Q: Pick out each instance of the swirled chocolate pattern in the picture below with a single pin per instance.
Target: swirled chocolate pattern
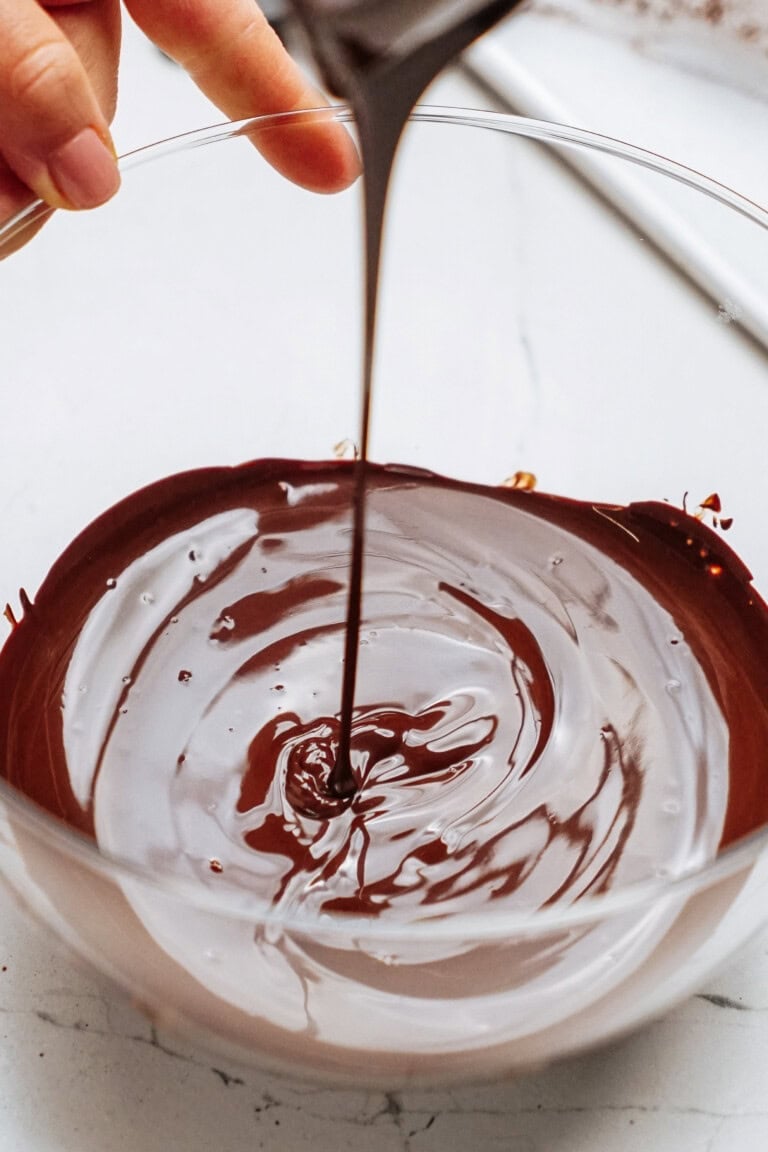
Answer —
(547, 704)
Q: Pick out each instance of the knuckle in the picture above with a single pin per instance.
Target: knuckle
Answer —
(42, 69)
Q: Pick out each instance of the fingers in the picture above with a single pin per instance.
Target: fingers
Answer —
(238, 60)
(54, 135)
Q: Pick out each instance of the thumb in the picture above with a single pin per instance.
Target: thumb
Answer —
(53, 134)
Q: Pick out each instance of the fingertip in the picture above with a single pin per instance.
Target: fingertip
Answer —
(83, 173)
(319, 157)
(342, 165)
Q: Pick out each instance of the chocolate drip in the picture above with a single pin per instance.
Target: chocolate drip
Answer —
(381, 55)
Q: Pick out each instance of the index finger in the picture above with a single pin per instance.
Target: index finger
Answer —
(238, 60)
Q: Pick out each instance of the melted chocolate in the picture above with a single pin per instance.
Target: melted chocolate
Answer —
(548, 700)
(538, 698)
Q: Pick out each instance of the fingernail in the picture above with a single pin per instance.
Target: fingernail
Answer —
(84, 170)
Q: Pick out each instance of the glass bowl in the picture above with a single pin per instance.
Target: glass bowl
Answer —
(553, 302)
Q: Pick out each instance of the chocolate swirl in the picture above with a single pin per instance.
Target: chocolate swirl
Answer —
(545, 705)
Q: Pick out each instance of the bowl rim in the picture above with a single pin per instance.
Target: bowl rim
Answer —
(487, 923)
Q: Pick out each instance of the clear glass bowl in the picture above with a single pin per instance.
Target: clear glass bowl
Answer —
(212, 314)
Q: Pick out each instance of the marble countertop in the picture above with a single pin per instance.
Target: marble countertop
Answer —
(82, 1071)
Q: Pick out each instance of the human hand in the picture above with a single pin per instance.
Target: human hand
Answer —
(58, 87)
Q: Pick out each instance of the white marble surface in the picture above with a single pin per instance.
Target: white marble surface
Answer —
(81, 1071)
